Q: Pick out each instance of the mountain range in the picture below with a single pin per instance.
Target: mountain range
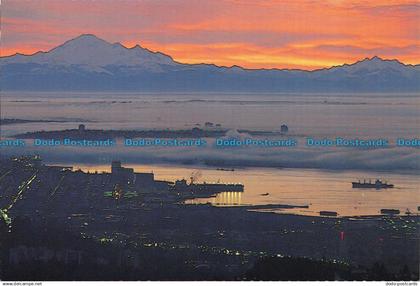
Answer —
(88, 63)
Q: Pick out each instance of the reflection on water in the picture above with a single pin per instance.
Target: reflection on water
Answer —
(319, 190)
(228, 198)
(222, 199)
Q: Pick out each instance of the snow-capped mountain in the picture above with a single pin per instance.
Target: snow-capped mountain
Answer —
(90, 51)
(90, 63)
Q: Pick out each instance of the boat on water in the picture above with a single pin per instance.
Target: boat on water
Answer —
(224, 169)
(378, 184)
(328, 213)
(182, 185)
(390, 211)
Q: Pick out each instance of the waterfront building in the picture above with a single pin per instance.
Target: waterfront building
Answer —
(284, 128)
(82, 128)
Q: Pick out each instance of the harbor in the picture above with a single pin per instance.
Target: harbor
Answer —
(104, 210)
(319, 190)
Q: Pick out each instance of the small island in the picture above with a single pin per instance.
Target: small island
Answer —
(8, 121)
(99, 134)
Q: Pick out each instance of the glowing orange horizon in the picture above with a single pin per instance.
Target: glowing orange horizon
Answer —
(252, 34)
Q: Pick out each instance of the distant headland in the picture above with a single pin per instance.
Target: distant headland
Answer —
(98, 134)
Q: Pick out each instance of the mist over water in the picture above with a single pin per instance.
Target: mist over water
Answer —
(311, 115)
(312, 181)
(387, 116)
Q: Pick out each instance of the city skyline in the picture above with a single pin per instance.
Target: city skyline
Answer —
(250, 34)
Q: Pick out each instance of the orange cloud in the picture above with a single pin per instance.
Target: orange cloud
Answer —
(305, 34)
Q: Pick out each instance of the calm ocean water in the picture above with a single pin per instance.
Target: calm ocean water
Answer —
(299, 176)
(319, 189)
(317, 115)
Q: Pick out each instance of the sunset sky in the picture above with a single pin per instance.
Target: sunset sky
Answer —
(306, 34)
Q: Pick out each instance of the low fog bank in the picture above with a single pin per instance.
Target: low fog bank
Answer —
(387, 159)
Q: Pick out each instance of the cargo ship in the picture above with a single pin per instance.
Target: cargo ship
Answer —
(378, 184)
(328, 213)
(390, 211)
(224, 169)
